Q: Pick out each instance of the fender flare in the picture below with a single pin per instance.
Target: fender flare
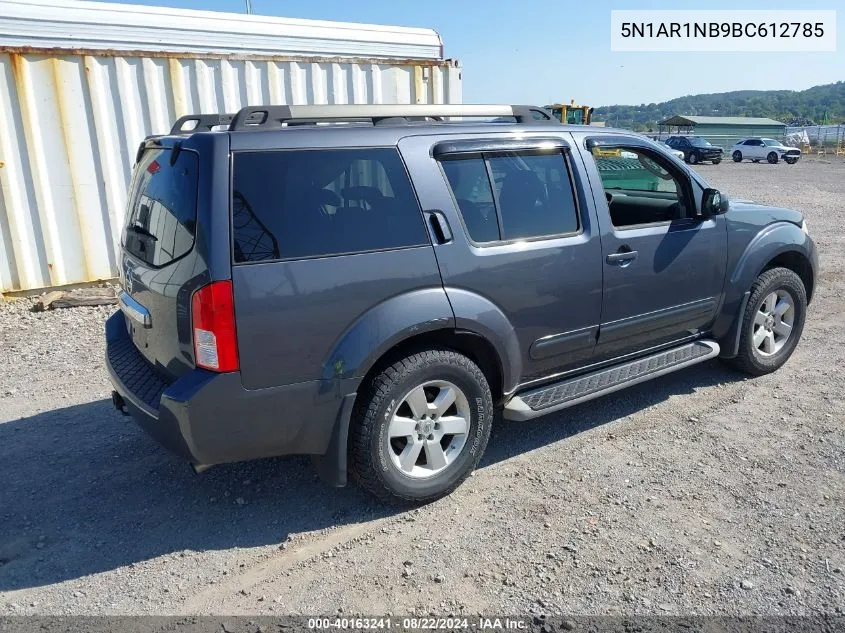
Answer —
(478, 315)
(407, 315)
(774, 240)
(384, 326)
(390, 323)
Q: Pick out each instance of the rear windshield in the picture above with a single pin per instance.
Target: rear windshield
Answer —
(162, 214)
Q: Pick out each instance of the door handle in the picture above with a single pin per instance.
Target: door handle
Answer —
(439, 226)
(134, 310)
(622, 258)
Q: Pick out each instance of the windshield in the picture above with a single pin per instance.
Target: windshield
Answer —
(698, 141)
(770, 142)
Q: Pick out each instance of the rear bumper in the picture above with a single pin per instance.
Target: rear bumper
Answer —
(209, 418)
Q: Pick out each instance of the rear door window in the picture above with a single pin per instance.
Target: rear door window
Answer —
(513, 195)
(161, 220)
(294, 204)
(470, 184)
(535, 195)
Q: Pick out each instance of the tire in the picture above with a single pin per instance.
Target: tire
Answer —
(754, 359)
(693, 158)
(737, 156)
(375, 444)
(716, 161)
(772, 158)
(790, 161)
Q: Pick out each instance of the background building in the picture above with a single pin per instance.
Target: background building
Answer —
(722, 130)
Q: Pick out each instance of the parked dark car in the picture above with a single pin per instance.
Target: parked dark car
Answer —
(375, 292)
(696, 149)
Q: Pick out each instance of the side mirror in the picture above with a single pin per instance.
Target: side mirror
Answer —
(713, 203)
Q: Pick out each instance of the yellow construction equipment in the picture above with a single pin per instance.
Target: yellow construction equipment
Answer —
(572, 113)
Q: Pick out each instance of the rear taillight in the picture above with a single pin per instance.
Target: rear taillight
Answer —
(213, 320)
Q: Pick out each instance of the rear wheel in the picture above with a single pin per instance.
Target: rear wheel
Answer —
(421, 427)
(737, 156)
(772, 323)
(772, 157)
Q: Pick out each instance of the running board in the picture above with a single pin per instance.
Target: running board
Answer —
(566, 393)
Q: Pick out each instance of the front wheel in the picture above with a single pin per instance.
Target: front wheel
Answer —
(772, 158)
(693, 158)
(791, 161)
(420, 427)
(737, 156)
(772, 323)
(716, 161)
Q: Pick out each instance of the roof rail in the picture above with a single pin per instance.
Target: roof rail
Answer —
(270, 117)
(204, 122)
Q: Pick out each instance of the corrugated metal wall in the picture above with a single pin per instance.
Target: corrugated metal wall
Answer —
(74, 24)
(71, 121)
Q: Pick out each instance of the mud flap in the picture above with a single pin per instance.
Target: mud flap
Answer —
(332, 467)
(731, 347)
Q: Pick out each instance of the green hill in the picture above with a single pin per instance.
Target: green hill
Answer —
(815, 106)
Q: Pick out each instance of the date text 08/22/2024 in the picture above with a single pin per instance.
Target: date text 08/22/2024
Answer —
(419, 624)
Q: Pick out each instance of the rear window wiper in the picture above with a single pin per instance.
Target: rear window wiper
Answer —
(140, 230)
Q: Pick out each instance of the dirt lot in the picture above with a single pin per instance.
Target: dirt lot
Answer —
(701, 492)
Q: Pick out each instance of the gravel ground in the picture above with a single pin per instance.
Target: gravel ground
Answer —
(702, 492)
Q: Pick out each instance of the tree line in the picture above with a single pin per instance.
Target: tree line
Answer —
(819, 105)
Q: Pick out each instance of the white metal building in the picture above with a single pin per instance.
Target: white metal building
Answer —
(84, 82)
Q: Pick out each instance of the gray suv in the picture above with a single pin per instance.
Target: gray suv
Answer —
(373, 285)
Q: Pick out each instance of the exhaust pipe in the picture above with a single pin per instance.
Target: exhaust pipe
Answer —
(119, 403)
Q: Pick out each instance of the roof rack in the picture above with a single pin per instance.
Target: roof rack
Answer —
(271, 117)
(204, 123)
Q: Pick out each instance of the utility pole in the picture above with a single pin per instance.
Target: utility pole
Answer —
(249, 6)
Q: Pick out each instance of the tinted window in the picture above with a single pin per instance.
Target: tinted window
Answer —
(535, 195)
(471, 187)
(698, 141)
(533, 192)
(163, 207)
(295, 204)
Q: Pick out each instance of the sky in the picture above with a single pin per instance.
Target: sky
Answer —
(519, 51)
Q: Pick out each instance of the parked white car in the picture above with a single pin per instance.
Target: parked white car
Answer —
(768, 149)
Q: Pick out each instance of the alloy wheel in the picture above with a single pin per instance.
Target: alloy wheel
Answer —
(428, 430)
(773, 323)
